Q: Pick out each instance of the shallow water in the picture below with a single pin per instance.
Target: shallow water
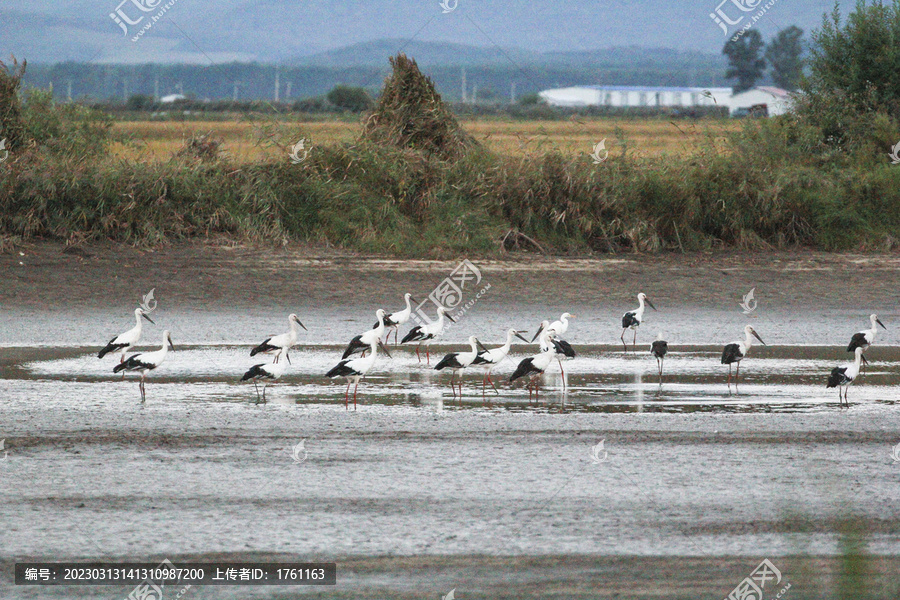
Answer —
(599, 379)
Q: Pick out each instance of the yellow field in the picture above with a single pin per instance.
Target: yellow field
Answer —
(246, 141)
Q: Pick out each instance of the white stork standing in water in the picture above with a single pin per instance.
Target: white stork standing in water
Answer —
(123, 342)
(633, 319)
(561, 348)
(425, 334)
(534, 366)
(264, 373)
(559, 327)
(281, 344)
(146, 362)
(356, 369)
(363, 341)
(457, 361)
(865, 338)
(396, 319)
(842, 377)
(736, 351)
(659, 349)
(488, 359)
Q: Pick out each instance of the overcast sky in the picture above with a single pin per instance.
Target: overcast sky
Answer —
(270, 30)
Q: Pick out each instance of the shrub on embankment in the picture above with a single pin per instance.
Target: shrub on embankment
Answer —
(416, 184)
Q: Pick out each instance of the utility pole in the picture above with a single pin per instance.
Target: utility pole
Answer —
(234, 95)
(512, 93)
(125, 89)
(474, 93)
(156, 88)
(287, 94)
(277, 85)
(69, 91)
(464, 85)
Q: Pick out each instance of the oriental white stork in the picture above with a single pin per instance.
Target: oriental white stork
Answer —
(559, 327)
(865, 338)
(396, 319)
(561, 348)
(534, 366)
(842, 377)
(457, 361)
(659, 349)
(123, 342)
(281, 344)
(736, 351)
(425, 334)
(264, 373)
(355, 369)
(363, 341)
(633, 319)
(145, 362)
(488, 359)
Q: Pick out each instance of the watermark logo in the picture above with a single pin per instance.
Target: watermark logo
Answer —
(723, 19)
(295, 155)
(148, 303)
(600, 147)
(450, 293)
(599, 453)
(894, 455)
(148, 590)
(895, 153)
(2, 449)
(450, 596)
(449, 7)
(123, 19)
(4, 153)
(751, 588)
(749, 303)
(299, 453)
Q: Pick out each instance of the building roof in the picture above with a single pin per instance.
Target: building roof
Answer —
(773, 91)
(642, 88)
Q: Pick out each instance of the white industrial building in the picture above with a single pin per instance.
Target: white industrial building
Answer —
(631, 95)
(775, 100)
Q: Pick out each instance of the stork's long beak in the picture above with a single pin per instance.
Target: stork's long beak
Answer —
(756, 335)
(451, 319)
(383, 347)
(537, 333)
(414, 300)
(301, 324)
(650, 304)
(865, 362)
(517, 334)
(151, 320)
(480, 345)
(171, 345)
(880, 323)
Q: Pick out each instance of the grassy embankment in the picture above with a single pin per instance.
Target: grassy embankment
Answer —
(412, 181)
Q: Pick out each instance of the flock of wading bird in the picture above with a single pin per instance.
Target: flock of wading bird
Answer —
(548, 336)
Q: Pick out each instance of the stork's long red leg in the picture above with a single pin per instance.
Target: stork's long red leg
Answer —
(355, 389)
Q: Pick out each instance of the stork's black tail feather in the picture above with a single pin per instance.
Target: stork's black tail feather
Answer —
(340, 370)
(254, 372)
(836, 377)
(413, 335)
(525, 367)
(564, 347)
(128, 365)
(110, 347)
(264, 347)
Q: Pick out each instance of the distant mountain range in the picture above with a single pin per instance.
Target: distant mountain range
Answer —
(340, 32)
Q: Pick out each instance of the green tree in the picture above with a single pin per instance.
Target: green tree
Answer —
(784, 55)
(354, 99)
(745, 62)
(858, 62)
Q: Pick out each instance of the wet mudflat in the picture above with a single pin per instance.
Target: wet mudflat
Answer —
(415, 493)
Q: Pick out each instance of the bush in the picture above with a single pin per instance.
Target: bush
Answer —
(67, 129)
(353, 99)
(12, 123)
